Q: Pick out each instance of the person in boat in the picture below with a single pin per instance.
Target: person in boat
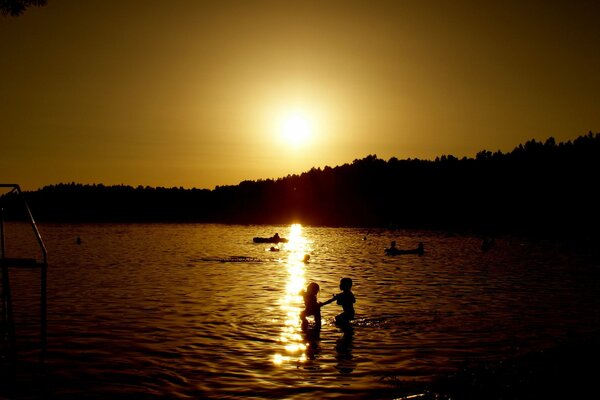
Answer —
(311, 306)
(487, 244)
(276, 236)
(345, 299)
(392, 249)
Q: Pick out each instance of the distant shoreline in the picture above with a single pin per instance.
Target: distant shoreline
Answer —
(538, 189)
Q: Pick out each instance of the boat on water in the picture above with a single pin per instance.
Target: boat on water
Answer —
(273, 239)
(393, 250)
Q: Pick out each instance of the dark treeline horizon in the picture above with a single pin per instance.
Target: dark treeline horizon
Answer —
(539, 187)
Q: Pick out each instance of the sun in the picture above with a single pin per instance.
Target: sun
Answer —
(296, 128)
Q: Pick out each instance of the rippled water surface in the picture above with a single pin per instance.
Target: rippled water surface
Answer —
(200, 311)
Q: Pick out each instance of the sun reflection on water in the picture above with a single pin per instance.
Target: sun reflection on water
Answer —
(291, 303)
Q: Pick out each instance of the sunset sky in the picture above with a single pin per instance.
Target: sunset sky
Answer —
(201, 93)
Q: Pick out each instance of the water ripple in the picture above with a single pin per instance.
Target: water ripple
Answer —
(199, 311)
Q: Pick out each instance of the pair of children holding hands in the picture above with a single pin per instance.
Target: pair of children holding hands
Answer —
(313, 307)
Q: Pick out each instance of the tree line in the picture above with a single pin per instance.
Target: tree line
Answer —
(15, 8)
(538, 187)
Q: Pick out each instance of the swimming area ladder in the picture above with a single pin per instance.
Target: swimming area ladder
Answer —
(7, 322)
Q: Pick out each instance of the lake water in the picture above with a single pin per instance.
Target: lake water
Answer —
(191, 311)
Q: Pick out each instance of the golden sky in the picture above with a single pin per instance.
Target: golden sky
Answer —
(196, 93)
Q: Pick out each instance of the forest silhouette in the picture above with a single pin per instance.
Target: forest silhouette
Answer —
(539, 187)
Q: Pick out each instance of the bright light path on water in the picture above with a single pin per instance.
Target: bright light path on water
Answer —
(291, 303)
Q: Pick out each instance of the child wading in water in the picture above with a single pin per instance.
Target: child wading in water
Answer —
(345, 299)
(311, 306)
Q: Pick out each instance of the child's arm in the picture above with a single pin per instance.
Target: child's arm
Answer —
(331, 300)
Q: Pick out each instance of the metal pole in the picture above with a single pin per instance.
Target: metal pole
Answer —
(3, 321)
(1, 232)
(7, 312)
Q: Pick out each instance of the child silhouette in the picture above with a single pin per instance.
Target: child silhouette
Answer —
(311, 306)
(345, 299)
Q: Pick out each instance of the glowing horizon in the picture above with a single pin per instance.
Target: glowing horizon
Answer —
(194, 95)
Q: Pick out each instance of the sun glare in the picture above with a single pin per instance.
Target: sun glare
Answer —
(293, 346)
(296, 129)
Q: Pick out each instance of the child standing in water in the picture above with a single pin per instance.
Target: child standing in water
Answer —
(311, 306)
(345, 299)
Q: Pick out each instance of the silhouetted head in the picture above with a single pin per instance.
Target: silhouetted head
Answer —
(345, 284)
(312, 289)
(393, 243)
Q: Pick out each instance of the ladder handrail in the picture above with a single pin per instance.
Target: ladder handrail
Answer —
(43, 268)
(16, 188)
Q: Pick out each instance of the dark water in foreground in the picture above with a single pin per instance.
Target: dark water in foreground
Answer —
(199, 311)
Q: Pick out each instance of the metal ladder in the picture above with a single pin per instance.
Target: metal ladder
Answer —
(7, 325)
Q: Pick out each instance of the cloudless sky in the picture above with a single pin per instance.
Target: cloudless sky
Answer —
(194, 93)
